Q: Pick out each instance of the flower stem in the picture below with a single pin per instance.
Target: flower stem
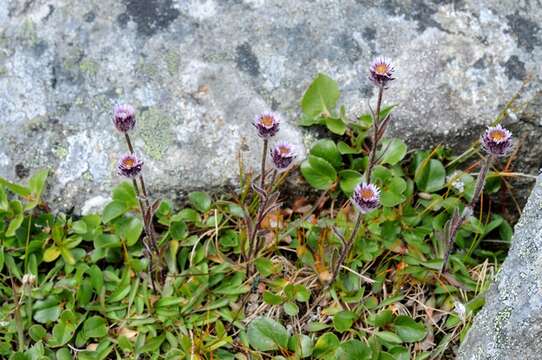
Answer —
(264, 158)
(458, 219)
(376, 123)
(346, 249)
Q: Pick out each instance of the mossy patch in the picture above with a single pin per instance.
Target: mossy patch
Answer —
(154, 127)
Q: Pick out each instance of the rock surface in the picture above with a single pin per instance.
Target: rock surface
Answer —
(509, 326)
(199, 70)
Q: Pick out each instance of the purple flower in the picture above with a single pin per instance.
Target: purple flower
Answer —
(497, 141)
(129, 166)
(267, 125)
(366, 197)
(124, 118)
(282, 155)
(381, 71)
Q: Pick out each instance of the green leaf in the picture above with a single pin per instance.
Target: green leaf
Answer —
(178, 230)
(14, 225)
(80, 227)
(15, 188)
(318, 172)
(291, 308)
(131, 230)
(51, 254)
(271, 298)
(4, 203)
(326, 149)
(113, 210)
(107, 241)
(46, 311)
(37, 182)
(389, 337)
(325, 346)
(354, 350)
(335, 125)
(264, 266)
(125, 193)
(95, 327)
(430, 176)
(395, 151)
(200, 200)
(409, 330)
(343, 320)
(37, 332)
(62, 333)
(321, 96)
(349, 179)
(265, 334)
(346, 149)
(302, 345)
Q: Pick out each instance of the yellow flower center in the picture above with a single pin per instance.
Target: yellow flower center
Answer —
(283, 150)
(497, 135)
(366, 194)
(381, 69)
(129, 162)
(266, 120)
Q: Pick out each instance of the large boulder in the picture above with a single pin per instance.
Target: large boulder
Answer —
(199, 70)
(509, 326)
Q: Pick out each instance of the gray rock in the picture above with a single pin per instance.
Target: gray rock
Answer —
(198, 71)
(509, 326)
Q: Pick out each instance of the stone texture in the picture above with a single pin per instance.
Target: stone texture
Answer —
(509, 326)
(199, 70)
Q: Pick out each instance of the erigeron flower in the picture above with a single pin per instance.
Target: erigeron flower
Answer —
(124, 118)
(497, 141)
(267, 124)
(129, 166)
(366, 197)
(381, 71)
(282, 155)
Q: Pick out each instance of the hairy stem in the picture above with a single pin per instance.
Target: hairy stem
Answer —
(376, 123)
(264, 158)
(346, 249)
(142, 196)
(458, 219)
(376, 127)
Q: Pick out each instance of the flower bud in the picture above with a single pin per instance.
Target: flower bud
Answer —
(124, 118)
(381, 71)
(366, 197)
(267, 125)
(282, 155)
(129, 166)
(497, 141)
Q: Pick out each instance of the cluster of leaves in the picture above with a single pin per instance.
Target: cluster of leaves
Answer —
(77, 287)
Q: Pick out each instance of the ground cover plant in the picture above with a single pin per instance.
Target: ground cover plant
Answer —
(388, 261)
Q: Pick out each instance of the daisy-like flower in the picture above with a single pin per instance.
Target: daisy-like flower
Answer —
(282, 155)
(497, 141)
(366, 197)
(381, 71)
(129, 166)
(267, 125)
(124, 118)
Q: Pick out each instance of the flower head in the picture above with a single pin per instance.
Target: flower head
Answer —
(129, 166)
(124, 118)
(366, 197)
(497, 141)
(282, 155)
(267, 125)
(381, 71)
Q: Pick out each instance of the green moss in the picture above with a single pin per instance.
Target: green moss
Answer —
(27, 33)
(60, 152)
(154, 127)
(172, 62)
(89, 67)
